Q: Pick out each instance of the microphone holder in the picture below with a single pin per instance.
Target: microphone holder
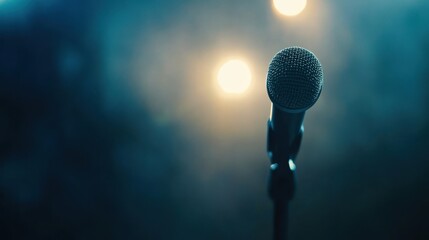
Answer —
(281, 184)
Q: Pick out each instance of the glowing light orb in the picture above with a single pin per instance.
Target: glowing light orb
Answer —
(290, 7)
(234, 77)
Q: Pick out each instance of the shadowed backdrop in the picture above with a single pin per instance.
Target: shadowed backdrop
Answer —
(112, 125)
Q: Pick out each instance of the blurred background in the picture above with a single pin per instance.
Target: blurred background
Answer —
(113, 124)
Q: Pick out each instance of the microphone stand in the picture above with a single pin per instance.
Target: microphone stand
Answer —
(281, 184)
(281, 188)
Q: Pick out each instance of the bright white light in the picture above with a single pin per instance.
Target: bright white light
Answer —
(274, 166)
(292, 165)
(290, 7)
(234, 77)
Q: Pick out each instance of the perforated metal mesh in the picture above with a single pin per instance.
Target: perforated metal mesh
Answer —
(294, 79)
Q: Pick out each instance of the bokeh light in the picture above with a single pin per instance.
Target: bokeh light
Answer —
(234, 77)
(290, 7)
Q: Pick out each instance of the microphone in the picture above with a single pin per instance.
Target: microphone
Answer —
(294, 83)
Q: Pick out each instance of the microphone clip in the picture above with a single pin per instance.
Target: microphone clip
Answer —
(281, 183)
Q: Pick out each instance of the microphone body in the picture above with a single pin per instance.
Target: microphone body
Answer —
(294, 83)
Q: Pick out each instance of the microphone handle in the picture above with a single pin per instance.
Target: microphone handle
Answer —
(285, 131)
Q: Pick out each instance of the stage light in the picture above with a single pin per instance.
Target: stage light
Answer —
(234, 77)
(290, 7)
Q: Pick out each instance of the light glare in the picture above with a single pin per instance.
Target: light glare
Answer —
(292, 165)
(234, 77)
(290, 7)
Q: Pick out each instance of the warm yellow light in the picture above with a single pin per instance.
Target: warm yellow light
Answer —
(290, 7)
(234, 77)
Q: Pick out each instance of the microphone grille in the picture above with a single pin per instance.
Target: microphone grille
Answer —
(294, 79)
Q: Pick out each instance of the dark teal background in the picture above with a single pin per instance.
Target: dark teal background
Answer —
(112, 125)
